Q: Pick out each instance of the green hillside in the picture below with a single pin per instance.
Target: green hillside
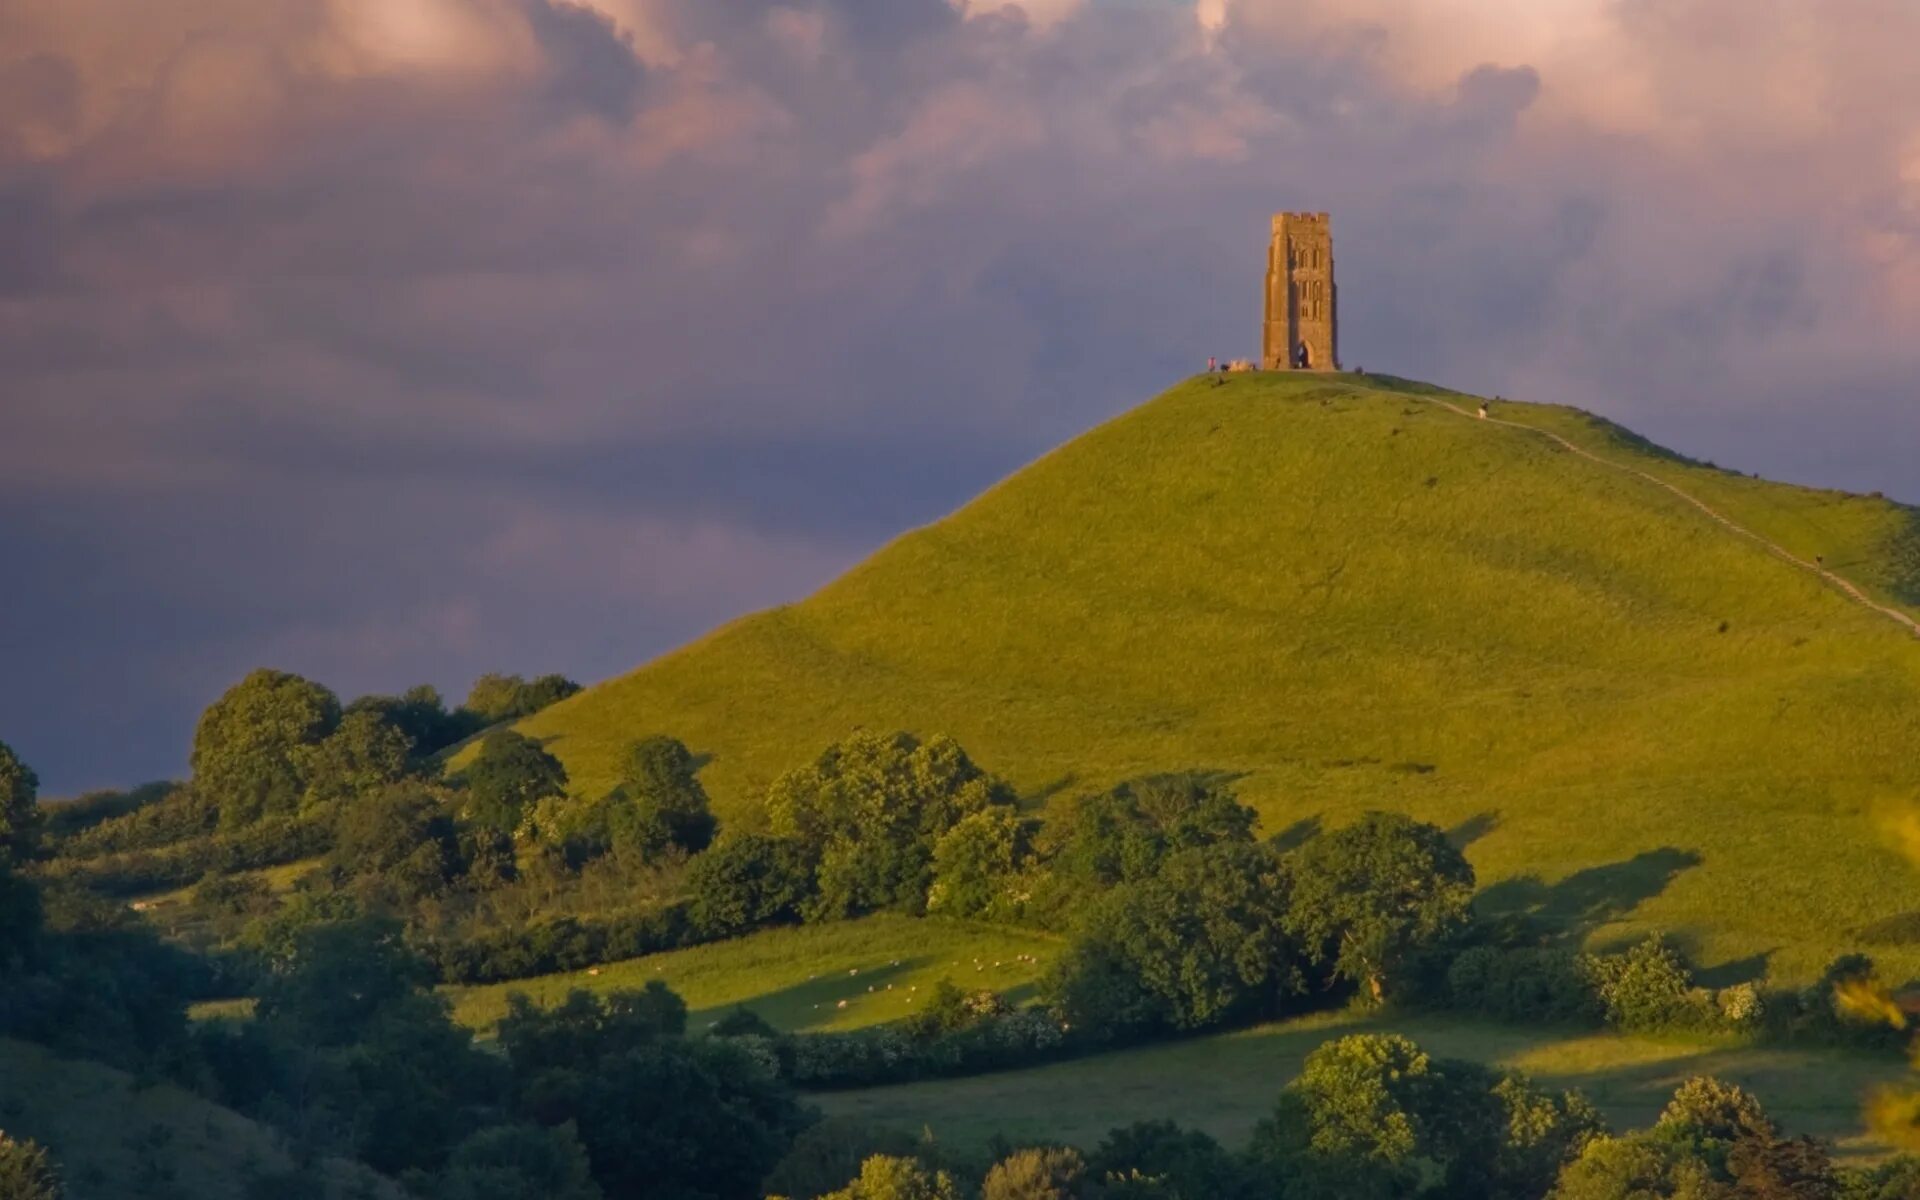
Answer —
(115, 1137)
(1348, 597)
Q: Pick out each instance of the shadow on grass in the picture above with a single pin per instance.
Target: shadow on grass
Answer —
(1471, 830)
(1587, 900)
(1296, 835)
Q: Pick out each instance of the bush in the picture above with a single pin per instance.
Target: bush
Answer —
(558, 944)
(1648, 989)
(1527, 985)
(249, 745)
(1052, 1173)
(26, 1171)
(745, 881)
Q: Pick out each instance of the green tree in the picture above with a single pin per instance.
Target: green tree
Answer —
(20, 817)
(1160, 1158)
(1201, 942)
(337, 977)
(401, 835)
(496, 698)
(1645, 988)
(585, 1027)
(507, 778)
(828, 1153)
(868, 813)
(26, 1171)
(1044, 1173)
(1123, 834)
(886, 1177)
(247, 746)
(1635, 1168)
(20, 921)
(518, 1162)
(1373, 894)
(421, 715)
(746, 880)
(363, 753)
(664, 802)
(977, 863)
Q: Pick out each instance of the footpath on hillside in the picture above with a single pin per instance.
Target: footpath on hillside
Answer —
(1839, 583)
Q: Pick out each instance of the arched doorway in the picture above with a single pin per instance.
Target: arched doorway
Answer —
(1302, 357)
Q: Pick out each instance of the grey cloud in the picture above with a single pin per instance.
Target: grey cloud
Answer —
(590, 62)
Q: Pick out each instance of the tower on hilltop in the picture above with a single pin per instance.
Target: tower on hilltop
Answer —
(1302, 331)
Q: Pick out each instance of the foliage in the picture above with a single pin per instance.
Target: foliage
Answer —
(868, 812)
(1374, 1115)
(558, 944)
(248, 747)
(510, 775)
(572, 1035)
(364, 753)
(1528, 984)
(421, 716)
(1162, 1159)
(495, 698)
(337, 976)
(401, 837)
(746, 880)
(27, 1171)
(1045, 1173)
(20, 817)
(1202, 942)
(1372, 894)
(827, 1154)
(977, 865)
(518, 1162)
(665, 804)
(1647, 988)
(1123, 834)
(82, 813)
(886, 1177)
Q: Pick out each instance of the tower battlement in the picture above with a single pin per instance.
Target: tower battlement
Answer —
(1302, 330)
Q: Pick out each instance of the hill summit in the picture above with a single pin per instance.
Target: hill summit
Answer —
(1645, 692)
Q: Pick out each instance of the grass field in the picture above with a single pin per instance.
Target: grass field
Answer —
(115, 1139)
(799, 978)
(1225, 1084)
(1347, 598)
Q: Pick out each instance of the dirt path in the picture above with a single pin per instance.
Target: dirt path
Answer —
(1844, 586)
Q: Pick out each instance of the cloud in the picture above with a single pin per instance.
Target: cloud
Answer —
(416, 338)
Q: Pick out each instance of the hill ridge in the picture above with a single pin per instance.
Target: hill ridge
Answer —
(1844, 584)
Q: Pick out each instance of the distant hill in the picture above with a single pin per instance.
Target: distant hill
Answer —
(115, 1137)
(1345, 596)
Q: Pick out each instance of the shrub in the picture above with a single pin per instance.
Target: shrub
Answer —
(1647, 989)
(747, 880)
(884, 1177)
(1052, 1173)
(26, 1171)
(507, 778)
(1527, 985)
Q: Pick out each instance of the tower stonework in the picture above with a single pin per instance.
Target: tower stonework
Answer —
(1302, 331)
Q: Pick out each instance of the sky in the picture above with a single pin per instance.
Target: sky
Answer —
(394, 341)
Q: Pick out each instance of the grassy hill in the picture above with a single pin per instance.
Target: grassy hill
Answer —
(1348, 597)
(841, 975)
(1227, 1083)
(116, 1138)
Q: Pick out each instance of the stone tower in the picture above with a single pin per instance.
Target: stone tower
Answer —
(1302, 332)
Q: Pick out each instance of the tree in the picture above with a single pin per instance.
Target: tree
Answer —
(20, 920)
(1124, 834)
(508, 777)
(746, 880)
(868, 813)
(1182, 1164)
(20, 817)
(26, 1171)
(830, 1152)
(976, 863)
(246, 748)
(421, 715)
(585, 1027)
(495, 698)
(1373, 894)
(402, 835)
(1634, 1168)
(518, 1162)
(885, 1177)
(1048, 1173)
(665, 804)
(1201, 942)
(337, 977)
(363, 753)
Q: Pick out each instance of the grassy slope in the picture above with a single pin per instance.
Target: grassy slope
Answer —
(796, 978)
(1225, 1084)
(115, 1140)
(1351, 599)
